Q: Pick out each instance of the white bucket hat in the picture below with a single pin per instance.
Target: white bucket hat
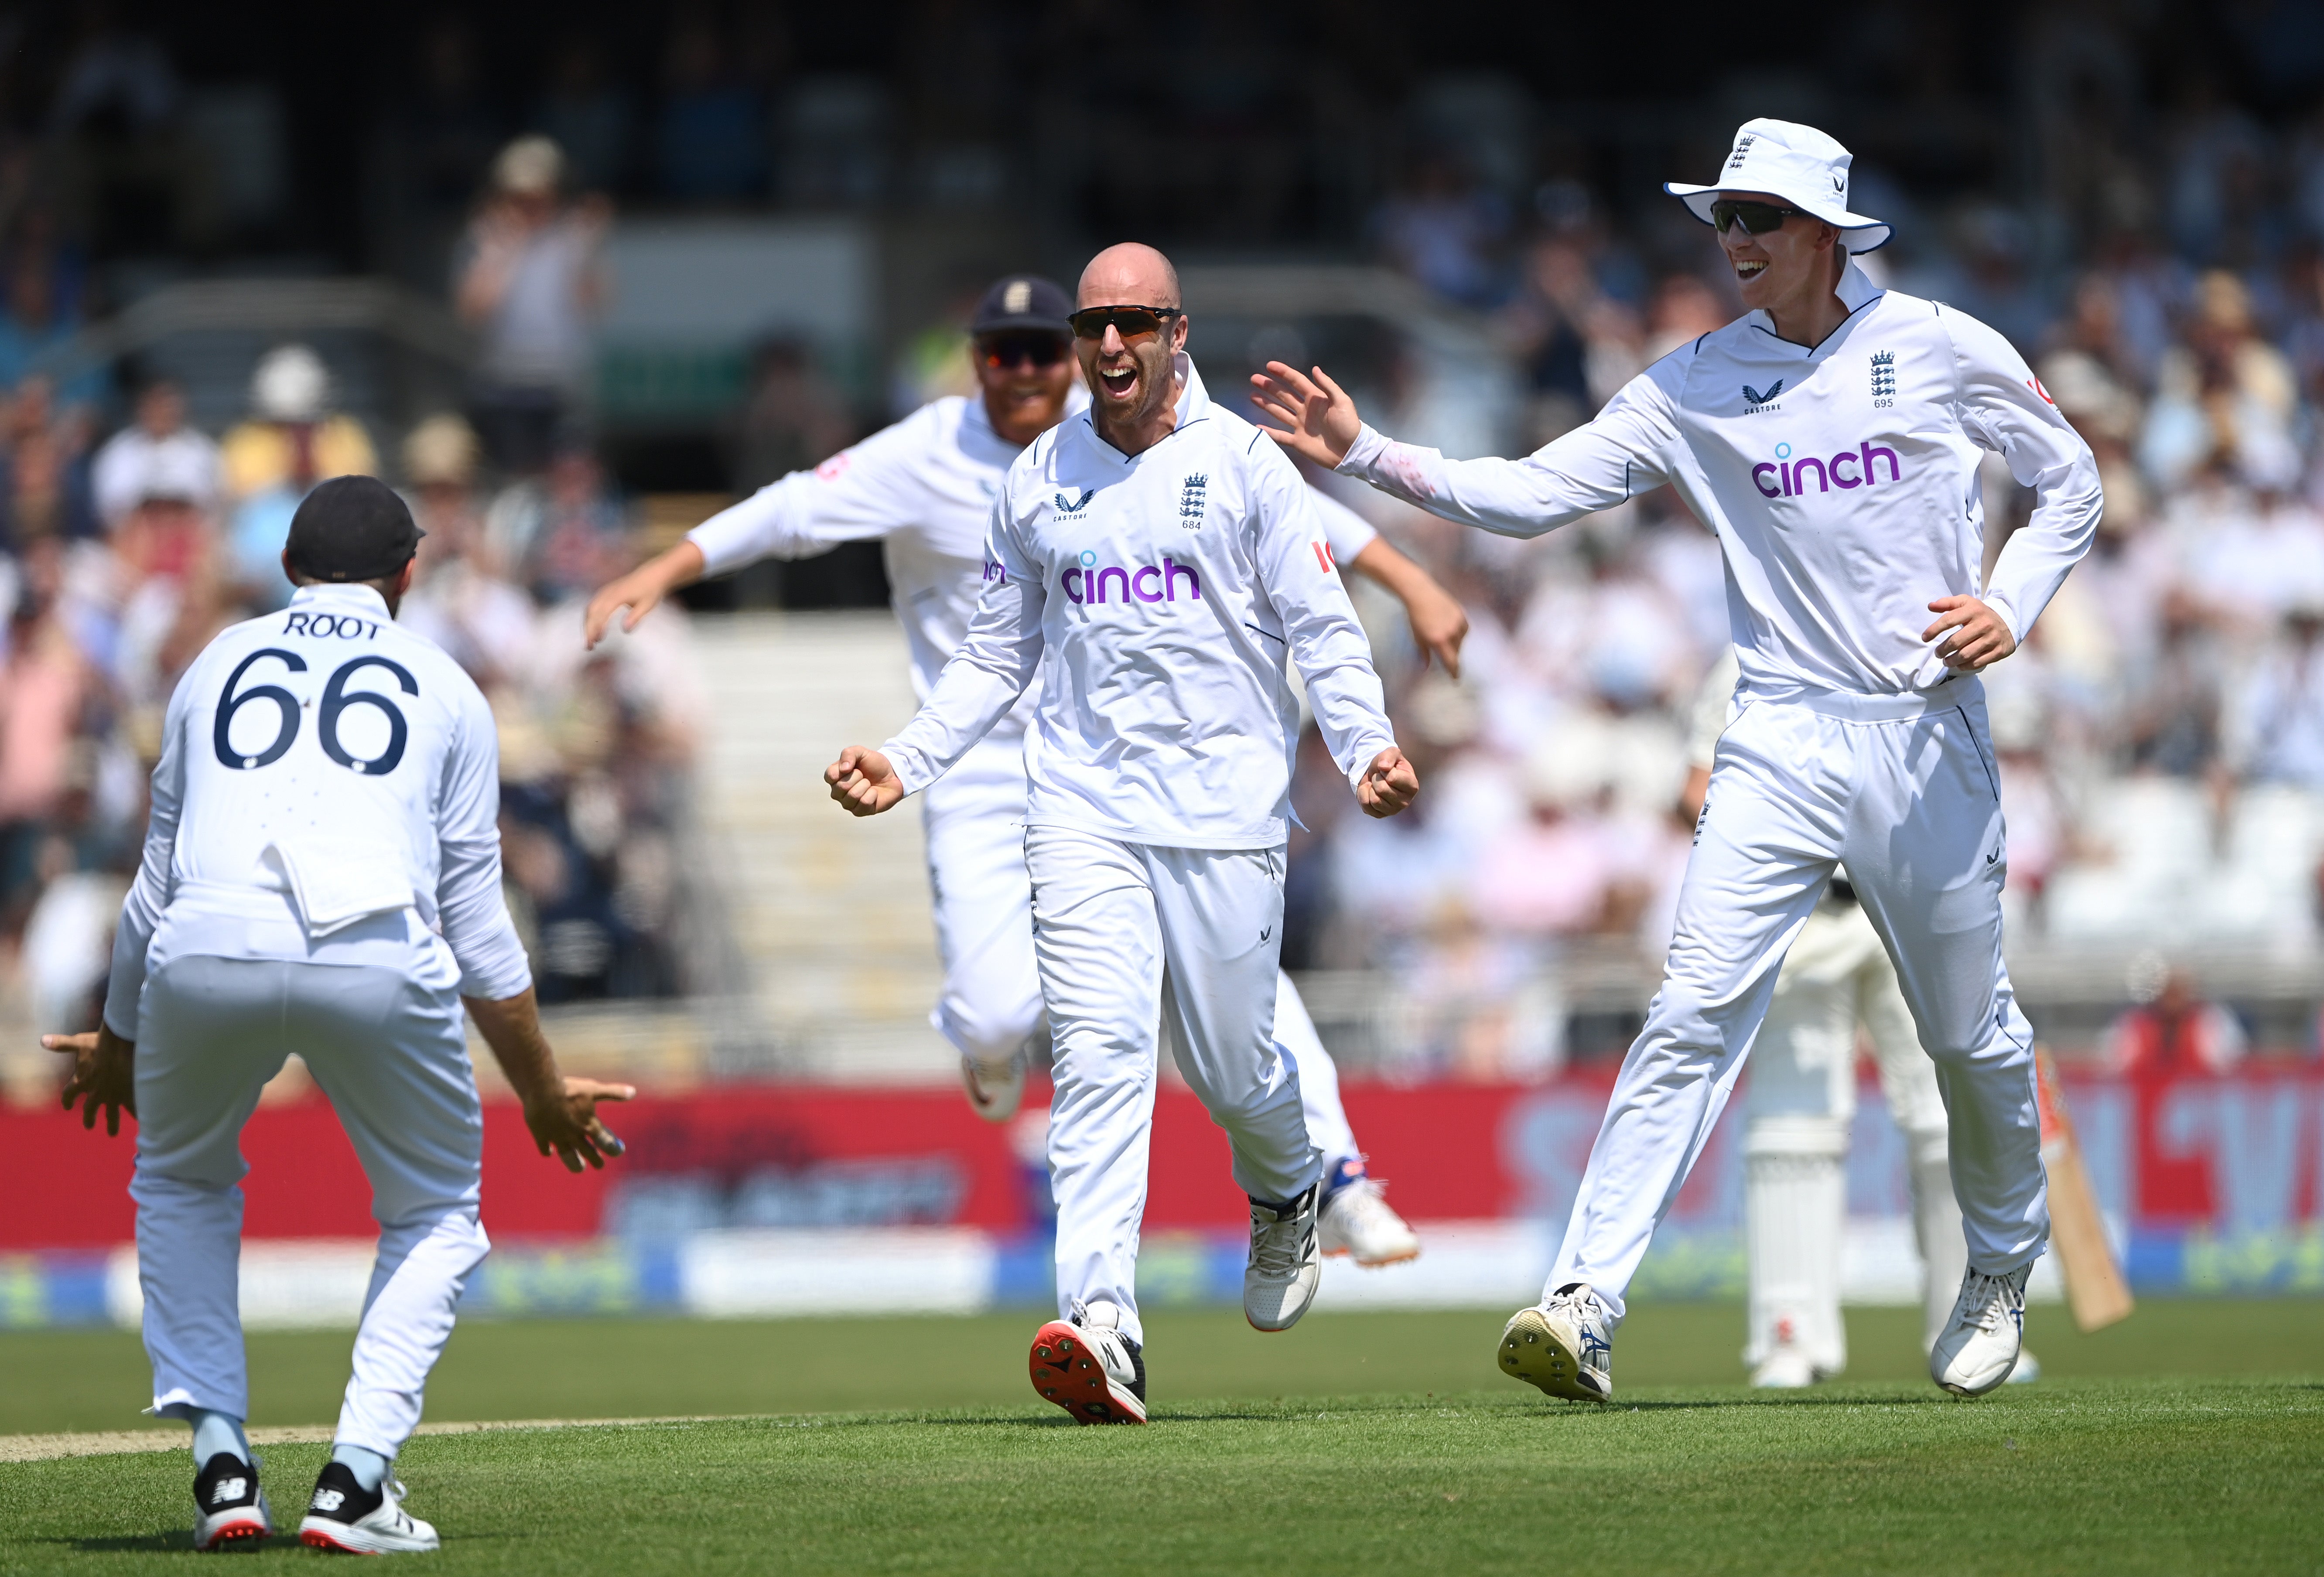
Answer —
(1795, 163)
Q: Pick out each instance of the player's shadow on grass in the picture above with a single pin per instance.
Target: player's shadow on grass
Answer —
(168, 1543)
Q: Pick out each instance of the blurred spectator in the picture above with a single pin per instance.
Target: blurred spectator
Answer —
(563, 534)
(2279, 723)
(158, 443)
(794, 418)
(529, 283)
(587, 116)
(2172, 1029)
(45, 685)
(1446, 231)
(35, 324)
(291, 440)
(712, 136)
(458, 597)
(2224, 395)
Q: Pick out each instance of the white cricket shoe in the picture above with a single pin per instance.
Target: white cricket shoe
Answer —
(1564, 1346)
(1357, 1221)
(1787, 1368)
(346, 1517)
(1980, 1344)
(1086, 1366)
(228, 1504)
(995, 1089)
(1286, 1263)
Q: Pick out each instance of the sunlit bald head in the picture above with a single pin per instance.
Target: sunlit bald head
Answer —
(1132, 273)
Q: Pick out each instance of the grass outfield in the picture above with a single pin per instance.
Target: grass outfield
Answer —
(1321, 1451)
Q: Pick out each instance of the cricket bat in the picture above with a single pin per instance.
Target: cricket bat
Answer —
(2095, 1289)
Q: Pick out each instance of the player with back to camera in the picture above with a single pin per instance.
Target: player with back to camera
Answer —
(321, 875)
(924, 489)
(1830, 438)
(1153, 559)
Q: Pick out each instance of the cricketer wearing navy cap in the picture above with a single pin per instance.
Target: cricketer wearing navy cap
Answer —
(352, 529)
(321, 875)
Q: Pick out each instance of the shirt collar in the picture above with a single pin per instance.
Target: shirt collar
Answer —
(1855, 291)
(1193, 406)
(353, 598)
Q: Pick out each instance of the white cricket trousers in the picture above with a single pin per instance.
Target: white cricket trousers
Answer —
(1799, 1100)
(991, 1004)
(1903, 789)
(387, 1046)
(1127, 935)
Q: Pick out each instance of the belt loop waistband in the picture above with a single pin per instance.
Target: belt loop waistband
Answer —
(1961, 689)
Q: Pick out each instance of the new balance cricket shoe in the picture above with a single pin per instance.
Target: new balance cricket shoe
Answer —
(1355, 1220)
(1086, 1366)
(1285, 1264)
(1978, 1347)
(1564, 1346)
(346, 1517)
(995, 1089)
(228, 1505)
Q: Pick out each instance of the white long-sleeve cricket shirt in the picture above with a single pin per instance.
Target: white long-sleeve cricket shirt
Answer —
(328, 791)
(1156, 596)
(924, 490)
(1841, 482)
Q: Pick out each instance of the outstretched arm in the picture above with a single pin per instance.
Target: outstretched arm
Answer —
(851, 497)
(640, 591)
(1439, 623)
(1626, 451)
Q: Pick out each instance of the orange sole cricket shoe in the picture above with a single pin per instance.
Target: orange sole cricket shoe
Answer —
(1072, 1367)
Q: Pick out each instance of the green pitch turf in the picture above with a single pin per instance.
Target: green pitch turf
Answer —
(1321, 1451)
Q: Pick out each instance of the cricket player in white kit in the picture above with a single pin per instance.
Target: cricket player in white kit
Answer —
(1154, 560)
(1830, 438)
(924, 489)
(321, 875)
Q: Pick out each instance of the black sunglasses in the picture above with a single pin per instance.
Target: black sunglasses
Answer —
(1130, 322)
(1757, 217)
(1014, 350)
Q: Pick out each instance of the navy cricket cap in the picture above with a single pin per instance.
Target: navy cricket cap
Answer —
(1023, 301)
(352, 528)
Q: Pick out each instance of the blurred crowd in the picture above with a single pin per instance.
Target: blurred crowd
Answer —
(123, 558)
(2161, 737)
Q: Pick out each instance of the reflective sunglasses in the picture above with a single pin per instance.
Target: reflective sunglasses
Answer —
(1014, 350)
(1757, 217)
(1133, 323)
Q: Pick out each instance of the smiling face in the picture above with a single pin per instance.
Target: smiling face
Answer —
(1133, 389)
(1023, 397)
(1786, 266)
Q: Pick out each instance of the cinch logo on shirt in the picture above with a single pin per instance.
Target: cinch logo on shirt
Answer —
(1086, 582)
(1792, 476)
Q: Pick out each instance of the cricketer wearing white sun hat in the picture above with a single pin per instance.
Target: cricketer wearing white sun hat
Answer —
(1795, 163)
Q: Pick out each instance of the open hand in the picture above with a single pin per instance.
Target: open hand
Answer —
(104, 1075)
(1388, 784)
(567, 1124)
(862, 782)
(1319, 421)
(1979, 639)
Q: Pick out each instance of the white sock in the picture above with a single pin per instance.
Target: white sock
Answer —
(1793, 1210)
(216, 1432)
(368, 1466)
